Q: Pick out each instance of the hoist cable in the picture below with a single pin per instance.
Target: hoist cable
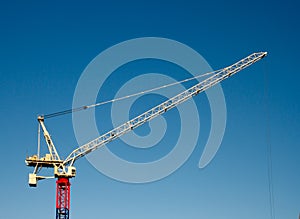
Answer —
(268, 142)
(125, 97)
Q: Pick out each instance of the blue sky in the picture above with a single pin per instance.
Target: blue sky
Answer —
(45, 46)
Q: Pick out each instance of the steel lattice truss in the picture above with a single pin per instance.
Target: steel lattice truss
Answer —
(219, 76)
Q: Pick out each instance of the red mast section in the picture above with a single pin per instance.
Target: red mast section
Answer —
(62, 198)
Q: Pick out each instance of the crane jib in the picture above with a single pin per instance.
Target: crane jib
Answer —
(163, 107)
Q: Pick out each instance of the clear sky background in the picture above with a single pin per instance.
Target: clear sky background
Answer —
(45, 46)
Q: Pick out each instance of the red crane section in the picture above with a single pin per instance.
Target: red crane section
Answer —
(62, 198)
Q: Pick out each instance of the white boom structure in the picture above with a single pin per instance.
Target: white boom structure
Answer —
(163, 107)
(60, 165)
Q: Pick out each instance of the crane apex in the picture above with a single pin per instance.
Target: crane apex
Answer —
(265, 54)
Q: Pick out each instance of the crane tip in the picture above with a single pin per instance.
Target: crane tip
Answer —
(264, 54)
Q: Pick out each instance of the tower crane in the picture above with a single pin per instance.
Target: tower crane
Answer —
(64, 169)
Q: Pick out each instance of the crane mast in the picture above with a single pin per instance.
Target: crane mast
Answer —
(64, 169)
